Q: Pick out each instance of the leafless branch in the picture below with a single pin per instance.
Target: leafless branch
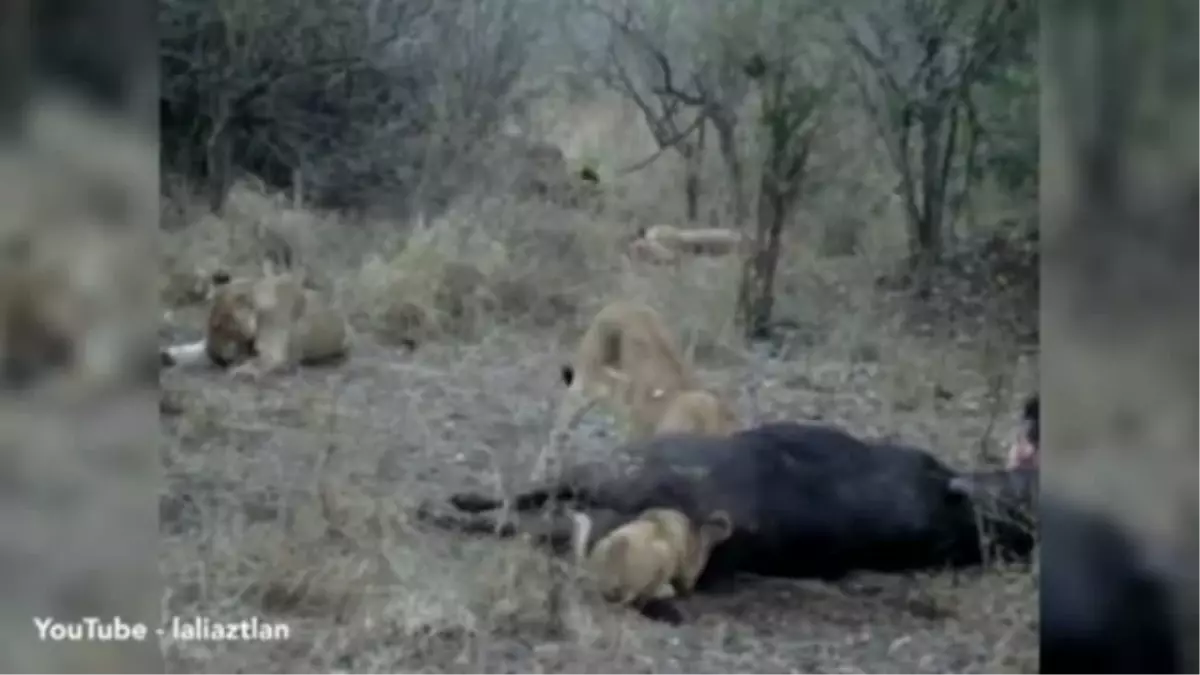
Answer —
(642, 42)
(664, 145)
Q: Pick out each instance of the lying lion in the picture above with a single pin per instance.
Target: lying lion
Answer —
(628, 361)
(665, 243)
(263, 324)
(645, 250)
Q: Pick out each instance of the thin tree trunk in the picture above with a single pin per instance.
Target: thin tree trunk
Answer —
(218, 156)
(218, 164)
(733, 167)
(693, 158)
(756, 295)
(297, 188)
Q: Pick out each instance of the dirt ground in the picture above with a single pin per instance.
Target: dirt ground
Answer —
(291, 500)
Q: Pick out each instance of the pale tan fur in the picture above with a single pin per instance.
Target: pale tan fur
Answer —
(267, 323)
(645, 250)
(698, 411)
(713, 241)
(629, 361)
(658, 555)
(292, 326)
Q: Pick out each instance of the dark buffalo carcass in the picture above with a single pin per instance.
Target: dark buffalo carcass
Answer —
(806, 500)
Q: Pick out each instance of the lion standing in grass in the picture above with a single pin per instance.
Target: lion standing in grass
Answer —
(677, 241)
(263, 324)
(628, 361)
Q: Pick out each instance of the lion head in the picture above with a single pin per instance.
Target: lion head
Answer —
(232, 321)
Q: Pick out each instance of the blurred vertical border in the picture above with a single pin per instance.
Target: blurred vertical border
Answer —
(1119, 222)
(78, 203)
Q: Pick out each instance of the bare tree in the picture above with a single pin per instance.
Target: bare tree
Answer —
(629, 63)
(917, 61)
(754, 47)
(679, 91)
(342, 93)
(795, 80)
(721, 109)
(792, 102)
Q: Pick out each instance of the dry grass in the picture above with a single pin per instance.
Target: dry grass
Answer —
(290, 500)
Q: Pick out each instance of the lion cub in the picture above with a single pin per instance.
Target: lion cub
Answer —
(651, 559)
(264, 324)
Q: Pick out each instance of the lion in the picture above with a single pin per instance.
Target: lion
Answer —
(698, 411)
(258, 325)
(656, 557)
(629, 361)
(708, 241)
(645, 250)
